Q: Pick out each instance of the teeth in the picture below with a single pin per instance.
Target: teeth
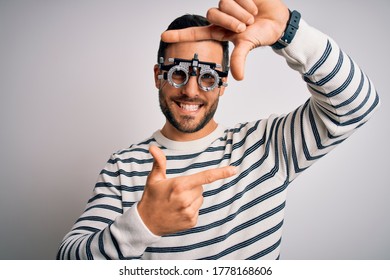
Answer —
(189, 107)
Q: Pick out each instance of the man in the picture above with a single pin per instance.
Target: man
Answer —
(198, 190)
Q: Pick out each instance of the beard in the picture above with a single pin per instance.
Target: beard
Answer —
(187, 124)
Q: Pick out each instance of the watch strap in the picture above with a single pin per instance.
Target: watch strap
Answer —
(289, 33)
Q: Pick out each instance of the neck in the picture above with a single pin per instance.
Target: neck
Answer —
(172, 133)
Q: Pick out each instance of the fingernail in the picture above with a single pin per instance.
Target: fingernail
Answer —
(241, 27)
(250, 21)
(233, 170)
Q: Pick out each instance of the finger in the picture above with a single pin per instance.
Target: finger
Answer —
(185, 197)
(197, 203)
(249, 6)
(236, 10)
(188, 34)
(238, 59)
(158, 171)
(208, 176)
(217, 17)
(192, 212)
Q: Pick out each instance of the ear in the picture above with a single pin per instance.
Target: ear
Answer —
(156, 71)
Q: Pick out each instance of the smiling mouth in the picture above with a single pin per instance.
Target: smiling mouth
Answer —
(189, 107)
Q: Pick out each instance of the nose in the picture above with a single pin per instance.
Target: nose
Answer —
(191, 89)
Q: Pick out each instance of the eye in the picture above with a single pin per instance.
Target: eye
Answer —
(178, 74)
(207, 80)
(207, 76)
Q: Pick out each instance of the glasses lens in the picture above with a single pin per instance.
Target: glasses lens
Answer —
(208, 80)
(177, 76)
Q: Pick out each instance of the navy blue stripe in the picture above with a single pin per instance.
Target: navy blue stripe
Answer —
(86, 228)
(331, 75)
(321, 61)
(105, 206)
(128, 203)
(121, 187)
(316, 133)
(359, 118)
(80, 239)
(362, 104)
(141, 150)
(354, 96)
(194, 155)
(101, 246)
(69, 255)
(120, 255)
(305, 148)
(182, 170)
(181, 157)
(107, 185)
(198, 165)
(284, 151)
(247, 152)
(245, 243)
(95, 219)
(125, 173)
(218, 239)
(130, 160)
(237, 129)
(243, 174)
(133, 188)
(247, 134)
(266, 251)
(64, 248)
(78, 249)
(354, 110)
(61, 251)
(101, 195)
(339, 89)
(232, 216)
(88, 247)
(294, 156)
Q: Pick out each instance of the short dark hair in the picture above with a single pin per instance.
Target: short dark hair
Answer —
(189, 20)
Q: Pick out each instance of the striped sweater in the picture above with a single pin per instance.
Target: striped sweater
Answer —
(242, 216)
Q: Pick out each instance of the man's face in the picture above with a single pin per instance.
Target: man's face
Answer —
(189, 109)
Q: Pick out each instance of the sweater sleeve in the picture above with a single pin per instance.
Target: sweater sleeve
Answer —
(105, 230)
(342, 99)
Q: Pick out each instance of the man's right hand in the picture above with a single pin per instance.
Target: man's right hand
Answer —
(171, 205)
(248, 24)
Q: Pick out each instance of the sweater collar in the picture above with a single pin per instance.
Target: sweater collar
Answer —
(195, 145)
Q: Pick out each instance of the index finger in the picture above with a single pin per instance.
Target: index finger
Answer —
(198, 33)
(210, 176)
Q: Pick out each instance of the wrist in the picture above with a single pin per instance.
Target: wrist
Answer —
(144, 218)
(289, 33)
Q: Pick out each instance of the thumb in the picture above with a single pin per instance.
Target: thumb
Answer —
(158, 171)
(238, 58)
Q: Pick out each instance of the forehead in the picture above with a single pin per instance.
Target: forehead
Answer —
(209, 51)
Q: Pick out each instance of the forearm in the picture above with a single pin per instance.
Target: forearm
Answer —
(107, 229)
(124, 238)
(343, 97)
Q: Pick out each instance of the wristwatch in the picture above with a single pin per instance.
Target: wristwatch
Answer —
(289, 33)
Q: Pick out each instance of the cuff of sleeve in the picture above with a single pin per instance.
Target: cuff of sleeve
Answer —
(131, 234)
(305, 49)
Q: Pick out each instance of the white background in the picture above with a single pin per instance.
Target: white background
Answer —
(76, 84)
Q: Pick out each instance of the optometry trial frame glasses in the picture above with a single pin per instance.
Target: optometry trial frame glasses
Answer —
(181, 70)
